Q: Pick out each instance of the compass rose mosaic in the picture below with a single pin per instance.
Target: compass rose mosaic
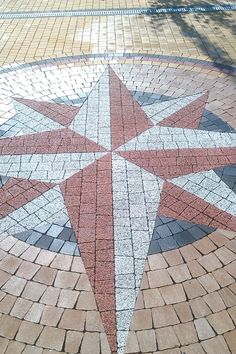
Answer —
(114, 175)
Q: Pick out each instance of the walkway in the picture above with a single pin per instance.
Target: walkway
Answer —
(117, 177)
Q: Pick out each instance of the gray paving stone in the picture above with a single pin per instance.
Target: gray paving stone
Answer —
(68, 248)
(56, 245)
(34, 237)
(55, 230)
(44, 242)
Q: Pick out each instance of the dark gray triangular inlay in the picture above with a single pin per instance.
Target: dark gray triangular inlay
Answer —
(3, 180)
(57, 237)
(228, 175)
(170, 234)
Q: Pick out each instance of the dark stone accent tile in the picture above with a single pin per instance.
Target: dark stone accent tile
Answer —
(212, 122)
(56, 245)
(34, 237)
(65, 234)
(147, 98)
(68, 248)
(73, 237)
(168, 244)
(154, 247)
(23, 236)
(228, 175)
(64, 242)
(184, 238)
(3, 180)
(44, 242)
(174, 227)
(162, 231)
(169, 234)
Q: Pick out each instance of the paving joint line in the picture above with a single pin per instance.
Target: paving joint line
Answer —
(115, 12)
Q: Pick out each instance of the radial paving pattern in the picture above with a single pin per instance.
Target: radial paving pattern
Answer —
(145, 186)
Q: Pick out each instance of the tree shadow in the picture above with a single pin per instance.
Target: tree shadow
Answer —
(218, 22)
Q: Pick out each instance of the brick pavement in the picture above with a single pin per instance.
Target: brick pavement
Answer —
(117, 183)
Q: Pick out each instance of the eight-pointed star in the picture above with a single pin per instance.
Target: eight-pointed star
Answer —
(111, 165)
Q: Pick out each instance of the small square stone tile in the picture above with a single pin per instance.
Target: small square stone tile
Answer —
(205, 245)
(29, 349)
(28, 332)
(45, 258)
(9, 326)
(199, 307)
(33, 291)
(51, 316)
(157, 261)
(221, 322)
(73, 319)
(232, 313)
(222, 277)
(14, 286)
(204, 330)
(186, 333)
(228, 297)
(7, 303)
(30, 254)
(189, 253)
(193, 289)
(164, 316)
(166, 338)
(83, 283)
(195, 348)
(10, 264)
(77, 265)
(179, 273)
(142, 319)
(27, 270)
(225, 255)
(15, 347)
(230, 339)
(73, 341)
(209, 283)
(216, 345)
(52, 338)
(173, 257)
(147, 340)
(3, 344)
(195, 269)
(21, 307)
(139, 304)
(173, 294)
(86, 301)
(132, 345)
(66, 280)
(90, 343)
(105, 347)
(35, 313)
(62, 262)
(4, 276)
(152, 298)
(158, 278)
(93, 322)
(210, 262)
(45, 275)
(50, 296)
(214, 301)
(68, 298)
(183, 311)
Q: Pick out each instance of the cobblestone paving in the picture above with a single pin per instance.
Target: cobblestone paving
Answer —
(117, 181)
(136, 164)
